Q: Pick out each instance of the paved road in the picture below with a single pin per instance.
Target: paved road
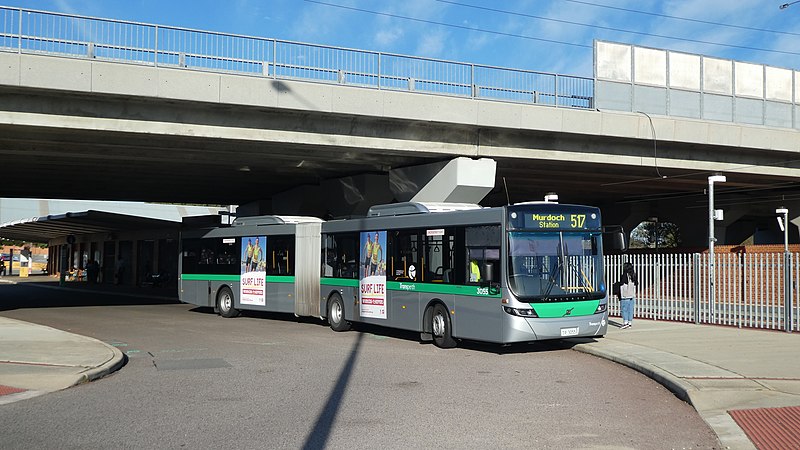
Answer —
(195, 380)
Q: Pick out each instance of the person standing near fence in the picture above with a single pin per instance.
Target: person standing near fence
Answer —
(627, 293)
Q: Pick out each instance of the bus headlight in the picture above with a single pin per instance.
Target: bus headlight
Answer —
(601, 308)
(520, 312)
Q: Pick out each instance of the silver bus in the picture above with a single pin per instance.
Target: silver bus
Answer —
(516, 273)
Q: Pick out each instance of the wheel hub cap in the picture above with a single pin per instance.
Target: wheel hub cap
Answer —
(336, 312)
(438, 325)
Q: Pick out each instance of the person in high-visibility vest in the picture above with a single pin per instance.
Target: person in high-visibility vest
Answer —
(367, 255)
(474, 272)
(248, 255)
(257, 255)
(377, 255)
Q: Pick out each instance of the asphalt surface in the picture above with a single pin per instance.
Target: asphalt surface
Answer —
(195, 380)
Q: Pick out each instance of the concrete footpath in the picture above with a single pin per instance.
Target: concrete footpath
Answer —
(744, 383)
(35, 359)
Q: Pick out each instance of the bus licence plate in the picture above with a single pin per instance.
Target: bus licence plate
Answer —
(569, 331)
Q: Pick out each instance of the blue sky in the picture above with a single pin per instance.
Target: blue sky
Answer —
(512, 38)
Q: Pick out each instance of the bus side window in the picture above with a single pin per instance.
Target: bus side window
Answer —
(339, 254)
(346, 255)
(280, 258)
(328, 256)
(439, 256)
(483, 246)
(191, 255)
(405, 251)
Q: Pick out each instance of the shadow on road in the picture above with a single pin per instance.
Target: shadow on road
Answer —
(48, 293)
(484, 347)
(318, 436)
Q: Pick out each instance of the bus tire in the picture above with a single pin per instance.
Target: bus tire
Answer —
(440, 327)
(336, 314)
(225, 303)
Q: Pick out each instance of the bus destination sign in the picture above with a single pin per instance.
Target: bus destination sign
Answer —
(559, 221)
(555, 218)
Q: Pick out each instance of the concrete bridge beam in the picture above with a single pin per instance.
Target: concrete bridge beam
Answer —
(460, 180)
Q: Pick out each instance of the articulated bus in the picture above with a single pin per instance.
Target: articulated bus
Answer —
(516, 273)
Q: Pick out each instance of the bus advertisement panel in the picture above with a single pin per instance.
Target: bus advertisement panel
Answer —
(253, 285)
(372, 283)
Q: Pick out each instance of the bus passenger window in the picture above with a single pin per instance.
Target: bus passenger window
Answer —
(478, 258)
(483, 246)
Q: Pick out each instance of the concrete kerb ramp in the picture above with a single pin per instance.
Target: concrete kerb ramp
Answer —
(37, 359)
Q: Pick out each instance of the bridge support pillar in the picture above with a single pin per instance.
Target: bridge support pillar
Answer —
(460, 180)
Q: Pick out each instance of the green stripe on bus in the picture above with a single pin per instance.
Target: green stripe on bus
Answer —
(434, 288)
(348, 282)
(428, 288)
(211, 277)
(208, 277)
(280, 279)
(561, 309)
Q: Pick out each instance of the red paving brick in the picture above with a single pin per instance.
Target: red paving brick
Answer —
(6, 390)
(770, 428)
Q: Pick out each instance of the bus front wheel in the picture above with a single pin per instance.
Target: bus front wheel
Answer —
(225, 303)
(441, 328)
(336, 314)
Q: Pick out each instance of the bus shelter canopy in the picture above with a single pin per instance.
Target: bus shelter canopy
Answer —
(47, 228)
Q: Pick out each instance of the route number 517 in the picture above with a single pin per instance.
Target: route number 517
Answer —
(577, 220)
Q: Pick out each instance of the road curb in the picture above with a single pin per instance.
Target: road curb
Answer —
(110, 366)
(680, 388)
(728, 433)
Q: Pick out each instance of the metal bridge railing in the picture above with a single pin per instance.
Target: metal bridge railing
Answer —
(30, 31)
(749, 292)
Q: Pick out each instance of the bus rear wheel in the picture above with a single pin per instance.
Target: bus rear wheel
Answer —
(225, 303)
(441, 328)
(336, 314)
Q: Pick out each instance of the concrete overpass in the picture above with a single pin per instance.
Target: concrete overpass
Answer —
(103, 129)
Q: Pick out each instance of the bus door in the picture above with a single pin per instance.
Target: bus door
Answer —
(406, 275)
(478, 309)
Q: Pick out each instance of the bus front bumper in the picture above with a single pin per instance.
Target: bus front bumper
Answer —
(523, 329)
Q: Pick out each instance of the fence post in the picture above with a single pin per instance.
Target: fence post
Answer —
(155, 48)
(659, 299)
(19, 43)
(787, 292)
(555, 90)
(696, 269)
(472, 81)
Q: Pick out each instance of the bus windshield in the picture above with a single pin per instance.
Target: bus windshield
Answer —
(547, 266)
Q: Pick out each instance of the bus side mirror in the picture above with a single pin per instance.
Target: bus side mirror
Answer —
(614, 239)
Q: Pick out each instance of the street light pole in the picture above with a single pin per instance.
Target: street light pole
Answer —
(712, 216)
(787, 269)
(657, 260)
(784, 224)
